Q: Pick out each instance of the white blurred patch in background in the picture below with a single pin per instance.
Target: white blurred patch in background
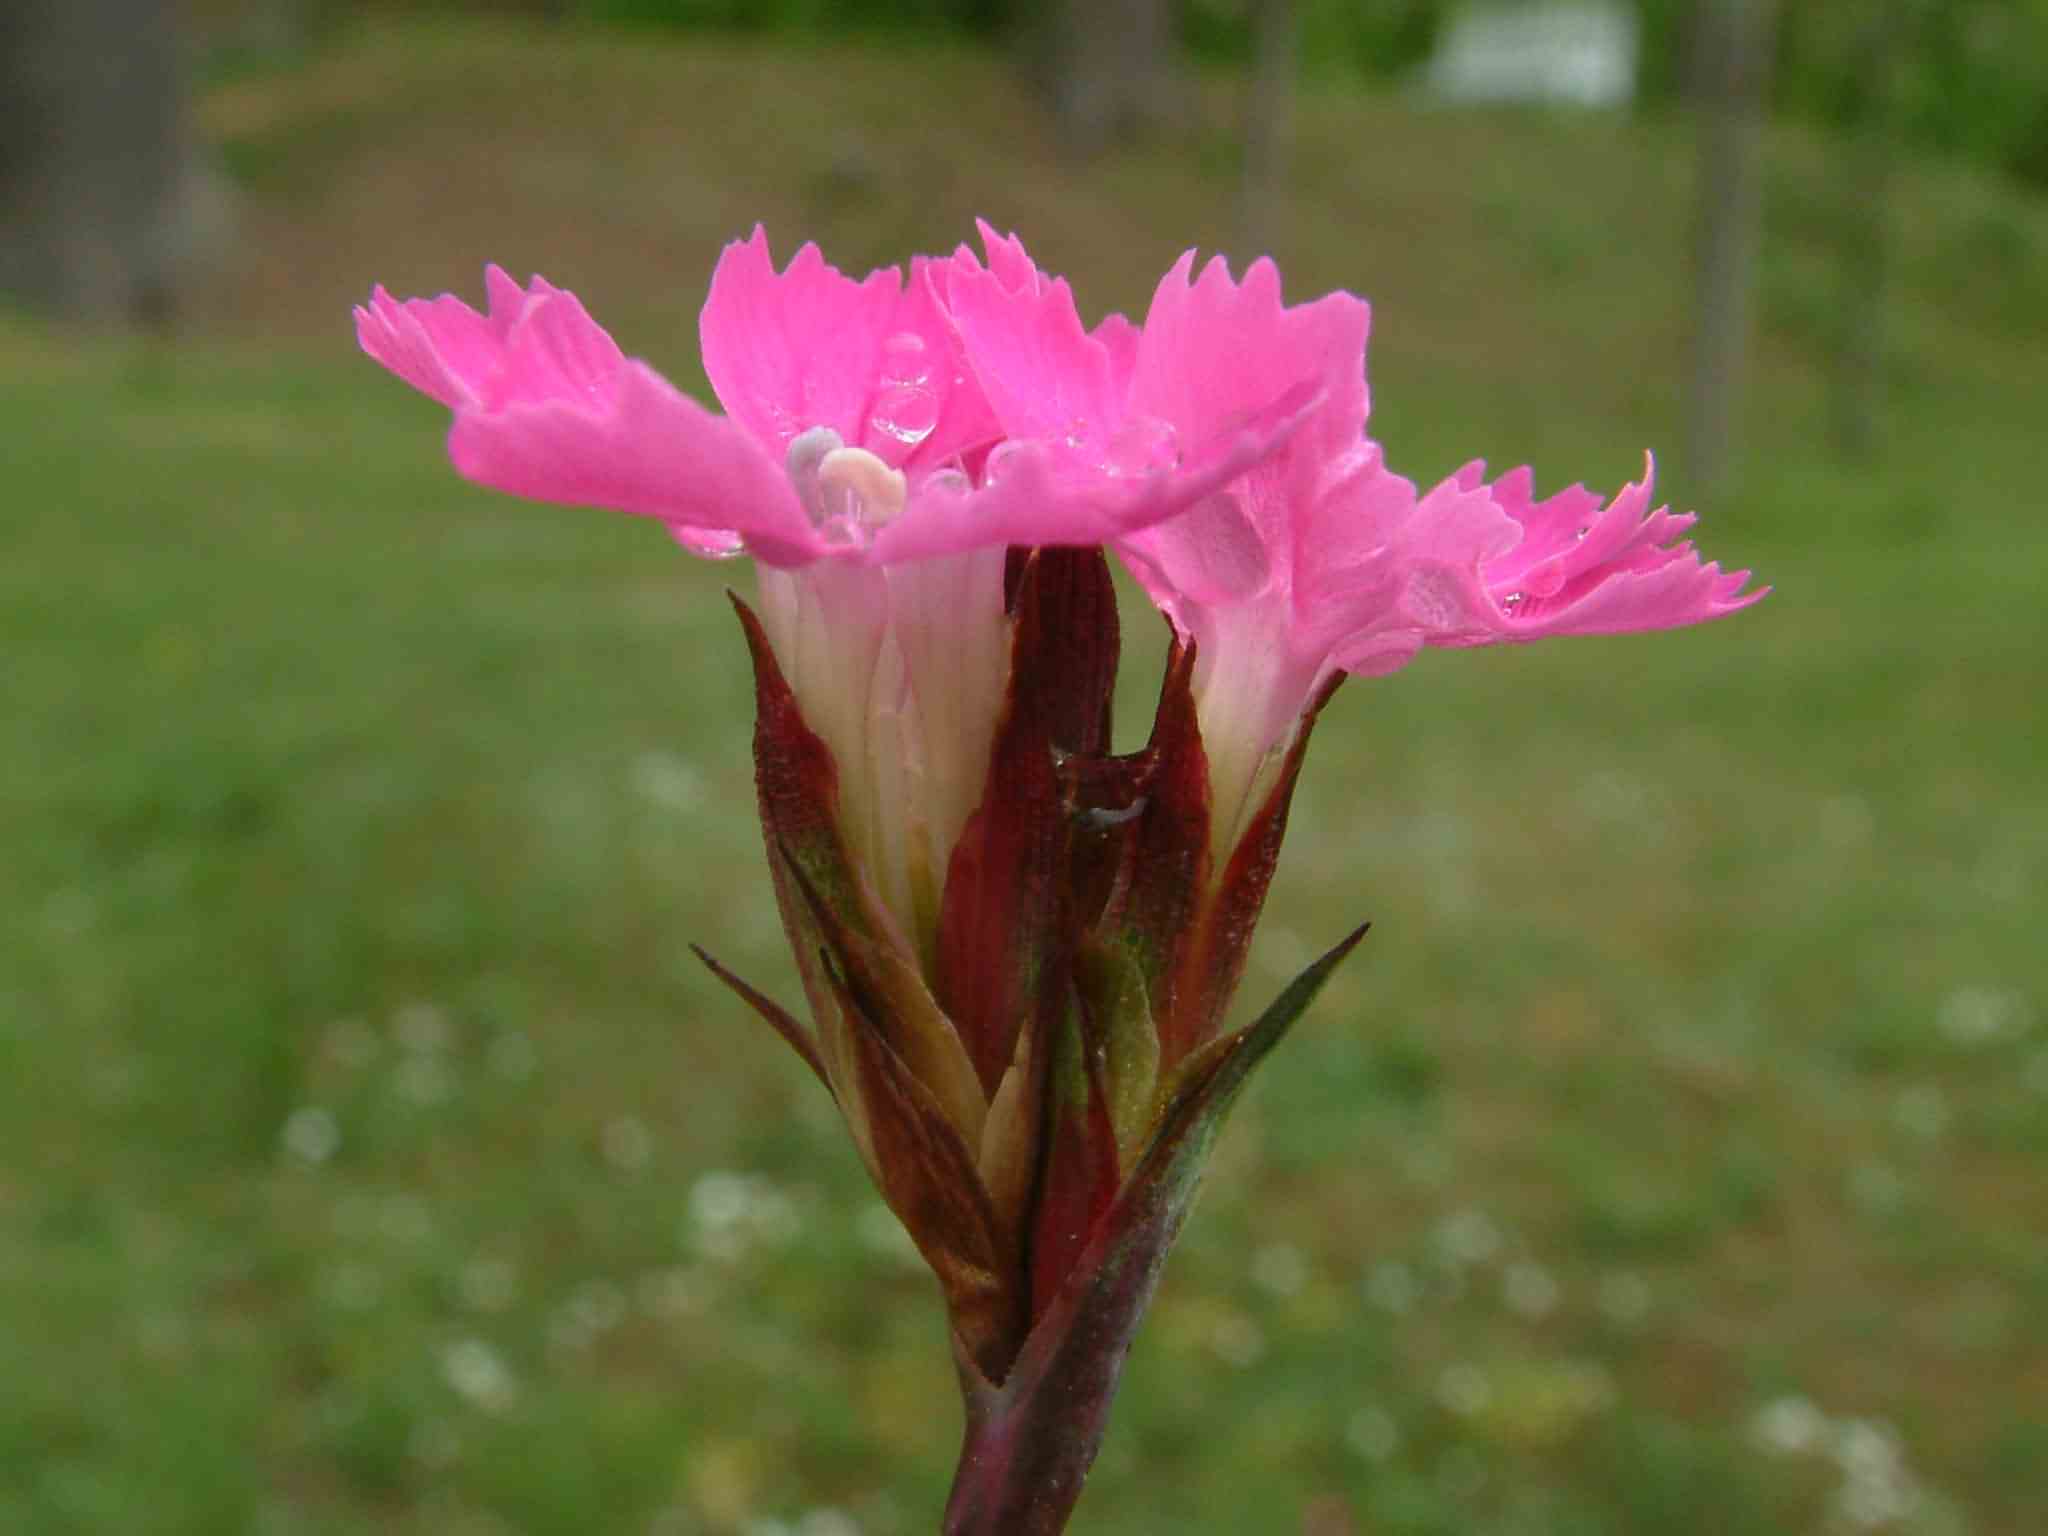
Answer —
(1582, 52)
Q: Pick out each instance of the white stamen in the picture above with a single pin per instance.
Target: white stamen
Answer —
(847, 492)
(863, 486)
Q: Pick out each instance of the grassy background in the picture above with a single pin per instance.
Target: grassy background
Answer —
(374, 1156)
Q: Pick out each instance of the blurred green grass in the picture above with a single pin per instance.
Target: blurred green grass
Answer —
(374, 1156)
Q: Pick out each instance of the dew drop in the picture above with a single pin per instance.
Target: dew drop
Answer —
(1513, 601)
(778, 413)
(1000, 460)
(904, 360)
(1580, 533)
(1142, 446)
(906, 412)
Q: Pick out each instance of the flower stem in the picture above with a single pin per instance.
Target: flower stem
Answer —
(1030, 1442)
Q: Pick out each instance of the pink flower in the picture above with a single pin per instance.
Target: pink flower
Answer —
(1318, 560)
(860, 461)
(854, 427)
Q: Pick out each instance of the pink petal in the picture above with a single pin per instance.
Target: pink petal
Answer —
(1036, 492)
(797, 349)
(637, 444)
(442, 347)
(547, 406)
(1008, 261)
(1214, 350)
(1043, 375)
(1584, 569)
(925, 408)
(1119, 338)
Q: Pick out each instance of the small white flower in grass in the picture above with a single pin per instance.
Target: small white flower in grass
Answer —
(1983, 1015)
(730, 1213)
(353, 1287)
(1788, 1426)
(677, 1291)
(594, 1308)
(1876, 1188)
(1238, 1340)
(1373, 1434)
(1922, 1110)
(311, 1134)
(1870, 1504)
(478, 1373)
(405, 1219)
(1529, 1290)
(1468, 1236)
(1392, 1287)
(1610, 795)
(423, 1081)
(488, 1285)
(422, 1028)
(1280, 1270)
(719, 1199)
(512, 1056)
(1464, 1390)
(668, 782)
(1624, 1299)
(628, 1145)
(1281, 951)
(1877, 1489)
(1870, 1445)
(598, 1305)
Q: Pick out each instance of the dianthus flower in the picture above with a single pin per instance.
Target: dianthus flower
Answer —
(1319, 562)
(1017, 946)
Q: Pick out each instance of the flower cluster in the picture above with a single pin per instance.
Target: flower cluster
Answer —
(1017, 946)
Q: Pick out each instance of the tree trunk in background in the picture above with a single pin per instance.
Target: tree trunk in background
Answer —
(1108, 67)
(1866, 233)
(1262, 198)
(1736, 38)
(104, 203)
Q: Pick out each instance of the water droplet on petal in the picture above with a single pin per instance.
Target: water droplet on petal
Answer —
(1001, 459)
(906, 411)
(1512, 602)
(904, 360)
(947, 482)
(1580, 533)
(1142, 446)
(779, 414)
